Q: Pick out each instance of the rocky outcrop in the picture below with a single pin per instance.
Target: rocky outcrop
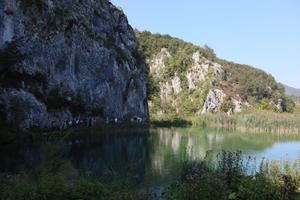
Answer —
(176, 84)
(238, 105)
(280, 105)
(187, 79)
(213, 101)
(201, 80)
(62, 58)
(158, 62)
(201, 70)
(167, 88)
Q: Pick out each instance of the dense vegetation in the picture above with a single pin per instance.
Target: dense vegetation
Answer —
(234, 178)
(252, 85)
(249, 122)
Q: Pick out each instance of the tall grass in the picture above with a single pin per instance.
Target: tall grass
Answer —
(258, 122)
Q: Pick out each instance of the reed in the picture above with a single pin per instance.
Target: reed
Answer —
(258, 122)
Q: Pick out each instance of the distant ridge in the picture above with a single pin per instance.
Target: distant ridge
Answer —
(292, 91)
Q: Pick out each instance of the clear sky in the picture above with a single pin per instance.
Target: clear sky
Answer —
(261, 33)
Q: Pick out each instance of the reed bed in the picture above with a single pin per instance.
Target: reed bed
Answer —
(257, 122)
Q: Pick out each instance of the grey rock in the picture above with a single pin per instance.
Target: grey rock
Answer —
(280, 105)
(73, 54)
(213, 101)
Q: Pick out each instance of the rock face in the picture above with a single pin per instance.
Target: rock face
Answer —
(201, 69)
(186, 79)
(62, 58)
(213, 101)
(199, 81)
(158, 62)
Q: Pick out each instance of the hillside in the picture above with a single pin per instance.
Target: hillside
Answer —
(188, 79)
(292, 91)
(62, 59)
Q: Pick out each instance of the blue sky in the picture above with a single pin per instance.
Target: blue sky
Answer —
(261, 33)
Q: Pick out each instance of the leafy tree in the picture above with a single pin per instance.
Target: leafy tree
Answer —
(227, 105)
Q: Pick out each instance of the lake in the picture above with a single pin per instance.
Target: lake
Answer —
(145, 158)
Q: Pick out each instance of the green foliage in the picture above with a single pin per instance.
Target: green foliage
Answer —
(288, 104)
(210, 72)
(229, 178)
(170, 121)
(179, 63)
(209, 53)
(151, 44)
(227, 105)
(265, 104)
(248, 122)
(253, 85)
(190, 102)
(251, 82)
(297, 109)
(154, 104)
(256, 122)
(152, 87)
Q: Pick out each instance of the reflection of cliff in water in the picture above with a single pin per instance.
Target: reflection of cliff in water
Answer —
(152, 157)
(19, 157)
(109, 157)
(114, 157)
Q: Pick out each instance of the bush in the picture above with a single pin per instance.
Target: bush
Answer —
(229, 178)
(265, 104)
(227, 105)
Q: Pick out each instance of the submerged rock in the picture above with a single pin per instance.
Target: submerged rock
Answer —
(67, 57)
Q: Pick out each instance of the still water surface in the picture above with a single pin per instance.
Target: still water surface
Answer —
(146, 158)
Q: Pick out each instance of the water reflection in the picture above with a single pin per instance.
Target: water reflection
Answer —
(118, 157)
(146, 158)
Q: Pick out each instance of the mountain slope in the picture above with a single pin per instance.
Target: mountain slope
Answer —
(292, 91)
(187, 79)
(63, 58)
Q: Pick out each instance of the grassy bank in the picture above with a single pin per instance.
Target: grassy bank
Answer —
(231, 178)
(256, 122)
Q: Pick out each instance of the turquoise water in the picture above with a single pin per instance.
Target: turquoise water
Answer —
(146, 158)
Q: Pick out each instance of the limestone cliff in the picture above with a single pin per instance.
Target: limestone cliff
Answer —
(62, 58)
(188, 79)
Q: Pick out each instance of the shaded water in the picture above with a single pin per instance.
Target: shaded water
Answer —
(143, 158)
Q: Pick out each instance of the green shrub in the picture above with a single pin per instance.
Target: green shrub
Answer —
(227, 105)
(229, 178)
(265, 104)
